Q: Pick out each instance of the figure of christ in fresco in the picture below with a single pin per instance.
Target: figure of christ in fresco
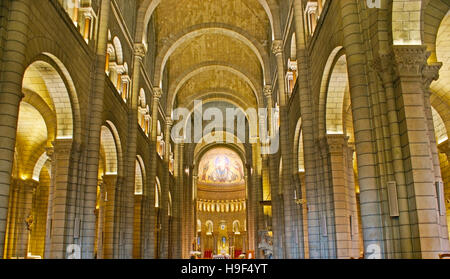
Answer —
(222, 172)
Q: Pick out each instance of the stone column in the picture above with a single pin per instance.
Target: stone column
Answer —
(60, 180)
(257, 193)
(11, 221)
(165, 189)
(22, 215)
(110, 219)
(293, 249)
(137, 225)
(429, 239)
(95, 117)
(400, 238)
(344, 197)
(177, 204)
(309, 127)
(101, 220)
(127, 204)
(371, 212)
(12, 68)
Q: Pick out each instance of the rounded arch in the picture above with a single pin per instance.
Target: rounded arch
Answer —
(439, 127)
(43, 108)
(337, 52)
(194, 31)
(338, 85)
(299, 164)
(139, 183)
(157, 192)
(118, 50)
(202, 148)
(43, 159)
(293, 49)
(209, 66)
(209, 227)
(147, 8)
(236, 227)
(109, 148)
(42, 77)
(49, 51)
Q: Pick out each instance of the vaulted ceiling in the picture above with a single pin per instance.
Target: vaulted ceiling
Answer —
(212, 46)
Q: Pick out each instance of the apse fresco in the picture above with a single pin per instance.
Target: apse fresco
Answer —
(221, 166)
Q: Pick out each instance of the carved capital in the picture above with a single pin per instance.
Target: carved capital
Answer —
(444, 147)
(268, 91)
(430, 73)
(63, 147)
(140, 50)
(157, 93)
(277, 47)
(336, 143)
(169, 122)
(410, 60)
(384, 65)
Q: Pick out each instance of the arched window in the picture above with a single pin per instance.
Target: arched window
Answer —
(157, 192)
(209, 227)
(236, 227)
(116, 68)
(82, 15)
(311, 15)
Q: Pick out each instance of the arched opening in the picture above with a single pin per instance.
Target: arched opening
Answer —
(440, 98)
(221, 204)
(342, 182)
(45, 127)
(158, 215)
(108, 171)
(139, 185)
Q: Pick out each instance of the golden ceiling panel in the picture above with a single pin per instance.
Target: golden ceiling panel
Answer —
(174, 16)
(216, 79)
(214, 48)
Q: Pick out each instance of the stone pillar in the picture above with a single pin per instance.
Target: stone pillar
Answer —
(109, 241)
(257, 193)
(21, 218)
(177, 204)
(344, 198)
(137, 225)
(127, 204)
(165, 189)
(95, 117)
(61, 159)
(12, 68)
(398, 243)
(11, 221)
(293, 248)
(429, 238)
(371, 212)
(101, 220)
(310, 133)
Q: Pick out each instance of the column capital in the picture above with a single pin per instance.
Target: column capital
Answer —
(410, 60)
(62, 146)
(336, 143)
(444, 147)
(430, 73)
(268, 91)
(157, 93)
(169, 122)
(384, 63)
(140, 50)
(277, 47)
